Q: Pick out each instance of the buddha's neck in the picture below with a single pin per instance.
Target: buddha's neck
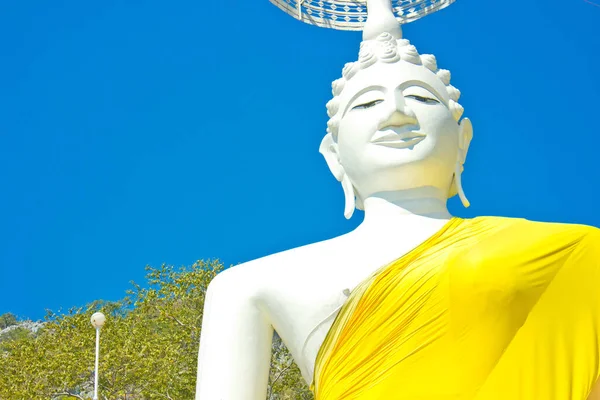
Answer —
(402, 208)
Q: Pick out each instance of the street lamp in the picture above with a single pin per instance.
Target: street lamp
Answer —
(98, 320)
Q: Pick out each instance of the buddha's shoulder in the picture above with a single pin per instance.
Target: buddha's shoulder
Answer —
(519, 233)
(501, 223)
(289, 266)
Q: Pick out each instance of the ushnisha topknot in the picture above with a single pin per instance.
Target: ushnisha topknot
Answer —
(387, 49)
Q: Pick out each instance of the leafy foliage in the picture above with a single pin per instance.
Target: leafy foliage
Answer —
(285, 380)
(7, 320)
(12, 335)
(149, 346)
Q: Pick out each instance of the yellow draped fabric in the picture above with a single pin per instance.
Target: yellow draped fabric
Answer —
(487, 308)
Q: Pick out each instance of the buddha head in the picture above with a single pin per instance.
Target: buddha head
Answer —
(395, 122)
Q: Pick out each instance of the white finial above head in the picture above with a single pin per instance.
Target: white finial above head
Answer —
(380, 19)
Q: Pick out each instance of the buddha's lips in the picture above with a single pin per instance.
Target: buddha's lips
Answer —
(398, 136)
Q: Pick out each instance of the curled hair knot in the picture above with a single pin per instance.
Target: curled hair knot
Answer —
(389, 52)
(350, 69)
(444, 76)
(333, 106)
(456, 109)
(385, 37)
(366, 56)
(337, 86)
(453, 92)
(430, 62)
(409, 53)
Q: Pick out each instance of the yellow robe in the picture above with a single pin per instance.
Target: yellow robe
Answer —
(487, 308)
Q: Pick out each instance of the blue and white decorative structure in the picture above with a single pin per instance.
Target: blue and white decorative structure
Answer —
(352, 15)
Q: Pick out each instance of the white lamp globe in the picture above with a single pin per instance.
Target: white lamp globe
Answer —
(98, 320)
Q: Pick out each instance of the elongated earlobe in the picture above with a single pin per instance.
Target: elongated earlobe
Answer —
(329, 150)
(464, 141)
(349, 197)
(458, 182)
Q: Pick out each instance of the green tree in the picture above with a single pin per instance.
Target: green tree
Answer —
(18, 333)
(149, 346)
(7, 320)
(285, 379)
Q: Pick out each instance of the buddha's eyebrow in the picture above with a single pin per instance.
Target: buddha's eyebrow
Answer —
(361, 92)
(425, 86)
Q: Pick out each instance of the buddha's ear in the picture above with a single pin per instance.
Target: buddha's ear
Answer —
(329, 150)
(465, 135)
(464, 138)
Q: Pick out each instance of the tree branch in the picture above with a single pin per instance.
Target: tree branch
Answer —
(176, 320)
(157, 308)
(279, 376)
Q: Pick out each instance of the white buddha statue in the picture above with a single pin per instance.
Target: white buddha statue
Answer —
(397, 143)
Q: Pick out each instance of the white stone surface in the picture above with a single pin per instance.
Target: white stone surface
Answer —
(31, 326)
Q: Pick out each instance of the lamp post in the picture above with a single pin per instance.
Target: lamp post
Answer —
(98, 319)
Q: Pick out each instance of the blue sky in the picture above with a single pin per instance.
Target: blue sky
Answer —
(148, 132)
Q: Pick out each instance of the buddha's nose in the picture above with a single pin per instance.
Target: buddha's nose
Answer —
(400, 113)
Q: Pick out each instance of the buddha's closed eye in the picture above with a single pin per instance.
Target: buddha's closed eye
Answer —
(367, 105)
(422, 99)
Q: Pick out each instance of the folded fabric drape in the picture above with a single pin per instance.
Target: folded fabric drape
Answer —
(487, 308)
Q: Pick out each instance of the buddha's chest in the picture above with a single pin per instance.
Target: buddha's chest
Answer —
(308, 289)
(303, 312)
(303, 304)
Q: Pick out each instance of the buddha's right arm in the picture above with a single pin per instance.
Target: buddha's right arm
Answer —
(235, 343)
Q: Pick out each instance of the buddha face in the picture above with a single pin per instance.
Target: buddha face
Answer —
(396, 130)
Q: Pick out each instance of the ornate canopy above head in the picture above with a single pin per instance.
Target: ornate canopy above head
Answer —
(351, 15)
